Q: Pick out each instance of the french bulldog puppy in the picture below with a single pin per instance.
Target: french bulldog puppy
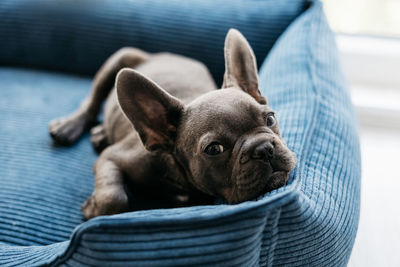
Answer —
(189, 143)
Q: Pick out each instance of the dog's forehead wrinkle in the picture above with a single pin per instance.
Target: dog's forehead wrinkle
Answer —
(221, 95)
(226, 115)
(224, 104)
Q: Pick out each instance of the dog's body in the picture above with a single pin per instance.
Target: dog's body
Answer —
(190, 143)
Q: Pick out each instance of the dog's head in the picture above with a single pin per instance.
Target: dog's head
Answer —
(227, 141)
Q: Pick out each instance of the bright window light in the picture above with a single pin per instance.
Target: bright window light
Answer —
(364, 17)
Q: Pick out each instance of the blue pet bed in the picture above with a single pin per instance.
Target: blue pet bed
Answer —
(312, 221)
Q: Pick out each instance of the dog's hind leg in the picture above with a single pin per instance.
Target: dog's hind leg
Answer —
(67, 130)
(98, 138)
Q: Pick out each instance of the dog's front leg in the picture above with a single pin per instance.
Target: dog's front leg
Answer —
(118, 163)
(109, 196)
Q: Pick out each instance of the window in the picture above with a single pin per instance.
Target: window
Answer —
(368, 38)
(367, 17)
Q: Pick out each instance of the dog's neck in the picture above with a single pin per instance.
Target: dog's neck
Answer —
(176, 174)
(175, 171)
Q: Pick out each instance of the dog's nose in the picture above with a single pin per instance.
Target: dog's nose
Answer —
(263, 151)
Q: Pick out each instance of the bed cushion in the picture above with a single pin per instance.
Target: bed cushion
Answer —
(311, 221)
(305, 84)
(77, 38)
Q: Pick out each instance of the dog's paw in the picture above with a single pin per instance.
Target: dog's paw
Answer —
(90, 208)
(67, 130)
(105, 203)
(98, 138)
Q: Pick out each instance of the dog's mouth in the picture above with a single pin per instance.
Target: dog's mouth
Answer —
(276, 180)
(252, 178)
(255, 180)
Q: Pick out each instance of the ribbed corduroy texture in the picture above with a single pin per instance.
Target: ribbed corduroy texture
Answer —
(67, 36)
(304, 81)
(39, 183)
(310, 222)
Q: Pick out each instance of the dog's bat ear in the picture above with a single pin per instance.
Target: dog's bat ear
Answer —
(154, 113)
(241, 66)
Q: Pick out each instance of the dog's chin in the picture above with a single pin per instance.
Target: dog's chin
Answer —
(251, 187)
(277, 179)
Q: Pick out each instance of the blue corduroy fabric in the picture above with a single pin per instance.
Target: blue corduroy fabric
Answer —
(312, 221)
(303, 79)
(67, 36)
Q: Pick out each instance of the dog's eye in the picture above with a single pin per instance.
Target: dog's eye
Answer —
(271, 121)
(214, 149)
